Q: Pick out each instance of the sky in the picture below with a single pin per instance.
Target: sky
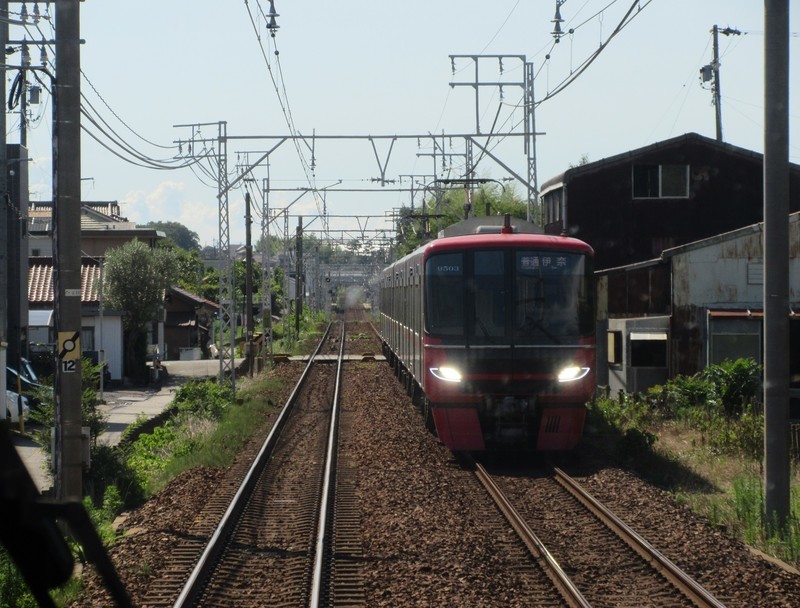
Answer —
(371, 68)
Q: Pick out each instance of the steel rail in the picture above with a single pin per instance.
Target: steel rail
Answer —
(566, 587)
(191, 590)
(328, 487)
(695, 592)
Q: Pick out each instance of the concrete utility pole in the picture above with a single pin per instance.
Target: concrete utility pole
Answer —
(776, 264)
(4, 214)
(66, 238)
(266, 276)
(248, 286)
(298, 282)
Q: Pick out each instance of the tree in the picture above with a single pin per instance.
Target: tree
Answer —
(180, 234)
(190, 266)
(136, 279)
(414, 230)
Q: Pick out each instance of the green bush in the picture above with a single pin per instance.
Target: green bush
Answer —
(110, 469)
(13, 590)
(203, 398)
(91, 416)
(721, 402)
(736, 383)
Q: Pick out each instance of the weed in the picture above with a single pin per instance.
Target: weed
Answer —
(710, 430)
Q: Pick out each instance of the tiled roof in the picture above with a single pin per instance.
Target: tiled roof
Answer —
(40, 281)
(94, 216)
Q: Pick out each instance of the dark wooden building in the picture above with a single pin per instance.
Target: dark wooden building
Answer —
(187, 325)
(633, 206)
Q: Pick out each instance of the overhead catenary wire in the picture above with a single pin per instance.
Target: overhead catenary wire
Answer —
(627, 18)
(280, 90)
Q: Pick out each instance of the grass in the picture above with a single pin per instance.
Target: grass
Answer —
(733, 497)
(700, 438)
(217, 444)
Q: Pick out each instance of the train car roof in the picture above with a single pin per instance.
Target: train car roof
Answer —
(471, 241)
(486, 232)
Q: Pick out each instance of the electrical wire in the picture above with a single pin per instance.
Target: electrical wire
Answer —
(105, 130)
(623, 23)
(500, 29)
(112, 135)
(110, 109)
(686, 90)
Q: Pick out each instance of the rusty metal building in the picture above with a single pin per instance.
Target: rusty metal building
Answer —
(696, 304)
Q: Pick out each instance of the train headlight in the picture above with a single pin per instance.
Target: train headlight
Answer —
(448, 374)
(572, 373)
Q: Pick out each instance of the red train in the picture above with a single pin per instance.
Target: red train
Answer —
(493, 335)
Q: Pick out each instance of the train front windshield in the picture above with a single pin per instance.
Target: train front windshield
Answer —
(509, 296)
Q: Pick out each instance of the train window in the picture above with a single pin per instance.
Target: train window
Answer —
(444, 298)
(489, 294)
(553, 297)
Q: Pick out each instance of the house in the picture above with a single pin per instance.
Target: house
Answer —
(633, 206)
(101, 329)
(695, 305)
(188, 322)
(102, 228)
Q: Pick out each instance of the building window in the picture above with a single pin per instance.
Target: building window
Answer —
(648, 349)
(660, 181)
(87, 338)
(614, 347)
(735, 339)
(755, 273)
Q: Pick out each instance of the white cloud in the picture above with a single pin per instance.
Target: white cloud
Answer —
(172, 201)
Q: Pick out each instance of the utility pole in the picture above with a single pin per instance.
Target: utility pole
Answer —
(196, 147)
(776, 265)
(298, 282)
(712, 70)
(66, 237)
(6, 211)
(266, 276)
(248, 285)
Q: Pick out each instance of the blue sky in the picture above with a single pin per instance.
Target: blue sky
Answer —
(361, 67)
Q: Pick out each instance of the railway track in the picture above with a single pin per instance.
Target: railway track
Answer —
(272, 543)
(591, 555)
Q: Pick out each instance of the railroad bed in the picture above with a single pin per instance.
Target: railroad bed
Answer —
(416, 528)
